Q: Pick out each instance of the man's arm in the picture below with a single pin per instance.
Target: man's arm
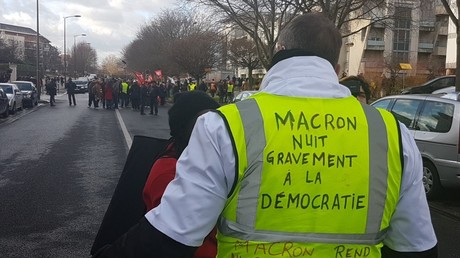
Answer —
(144, 240)
(411, 233)
(388, 253)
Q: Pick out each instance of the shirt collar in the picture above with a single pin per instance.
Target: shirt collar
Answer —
(308, 76)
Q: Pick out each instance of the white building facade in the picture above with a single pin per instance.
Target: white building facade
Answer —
(415, 34)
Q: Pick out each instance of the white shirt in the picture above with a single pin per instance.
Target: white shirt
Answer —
(205, 172)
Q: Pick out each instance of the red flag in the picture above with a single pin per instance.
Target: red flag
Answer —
(159, 73)
(149, 78)
(140, 77)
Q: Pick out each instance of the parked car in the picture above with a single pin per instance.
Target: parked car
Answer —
(450, 89)
(4, 104)
(242, 95)
(434, 121)
(29, 92)
(430, 86)
(451, 95)
(82, 85)
(14, 96)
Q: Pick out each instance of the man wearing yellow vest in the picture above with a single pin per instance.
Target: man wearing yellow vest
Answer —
(300, 169)
(124, 94)
(230, 90)
(192, 86)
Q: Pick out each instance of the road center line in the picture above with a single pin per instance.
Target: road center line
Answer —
(128, 139)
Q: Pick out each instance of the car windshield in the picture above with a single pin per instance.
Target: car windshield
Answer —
(24, 86)
(80, 82)
(7, 88)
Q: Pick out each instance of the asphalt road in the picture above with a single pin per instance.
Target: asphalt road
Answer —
(59, 167)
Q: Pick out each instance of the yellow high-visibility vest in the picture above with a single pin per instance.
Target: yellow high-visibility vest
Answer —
(124, 87)
(316, 178)
(230, 87)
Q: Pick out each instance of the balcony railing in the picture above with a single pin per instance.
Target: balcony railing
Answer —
(375, 44)
(425, 47)
(426, 25)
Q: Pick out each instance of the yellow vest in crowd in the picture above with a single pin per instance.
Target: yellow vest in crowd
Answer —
(316, 178)
(230, 87)
(192, 86)
(124, 87)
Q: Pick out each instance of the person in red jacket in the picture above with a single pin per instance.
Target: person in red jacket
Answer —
(182, 115)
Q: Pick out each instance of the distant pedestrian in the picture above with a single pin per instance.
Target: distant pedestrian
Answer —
(154, 96)
(108, 95)
(124, 97)
(51, 89)
(116, 92)
(222, 90)
(213, 88)
(135, 92)
(230, 90)
(71, 86)
(98, 95)
(203, 87)
(144, 97)
(91, 91)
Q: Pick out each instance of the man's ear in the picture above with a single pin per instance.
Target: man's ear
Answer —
(337, 69)
(279, 47)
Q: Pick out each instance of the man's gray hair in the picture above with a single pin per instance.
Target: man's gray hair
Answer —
(315, 33)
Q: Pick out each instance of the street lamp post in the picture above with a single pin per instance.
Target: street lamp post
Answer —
(75, 51)
(39, 86)
(65, 55)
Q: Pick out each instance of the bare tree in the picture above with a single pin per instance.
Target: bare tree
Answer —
(195, 53)
(343, 12)
(112, 66)
(7, 52)
(175, 42)
(456, 22)
(83, 59)
(261, 20)
(243, 53)
(392, 85)
(52, 60)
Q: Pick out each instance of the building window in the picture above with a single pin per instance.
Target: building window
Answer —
(401, 34)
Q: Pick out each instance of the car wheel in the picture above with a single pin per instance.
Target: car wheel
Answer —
(13, 110)
(431, 180)
(7, 112)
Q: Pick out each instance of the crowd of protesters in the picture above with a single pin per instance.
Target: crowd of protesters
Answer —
(147, 97)
(114, 93)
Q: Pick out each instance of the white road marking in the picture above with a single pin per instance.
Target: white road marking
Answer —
(128, 139)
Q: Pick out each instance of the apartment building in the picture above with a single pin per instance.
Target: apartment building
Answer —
(25, 40)
(411, 42)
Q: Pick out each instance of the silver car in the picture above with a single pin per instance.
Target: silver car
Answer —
(29, 92)
(14, 96)
(242, 95)
(434, 121)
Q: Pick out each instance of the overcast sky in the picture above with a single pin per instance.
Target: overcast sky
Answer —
(109, 24)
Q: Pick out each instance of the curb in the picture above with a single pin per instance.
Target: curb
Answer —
(443, 210)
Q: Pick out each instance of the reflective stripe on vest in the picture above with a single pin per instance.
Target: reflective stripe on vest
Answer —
(239, 220)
